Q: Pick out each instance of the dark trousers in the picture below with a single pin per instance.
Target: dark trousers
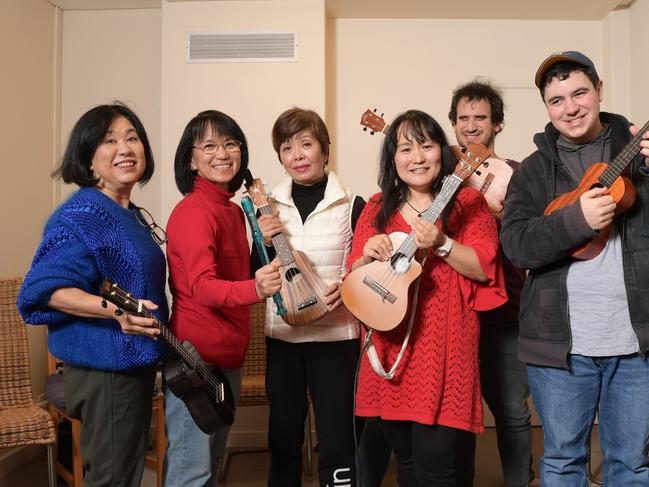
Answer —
(505, 389)
(431, 456)
(327, 369)
(374, 453)
(115, 413)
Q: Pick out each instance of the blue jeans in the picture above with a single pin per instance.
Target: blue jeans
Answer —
(617, 388)
(192, 456)
(505, 390)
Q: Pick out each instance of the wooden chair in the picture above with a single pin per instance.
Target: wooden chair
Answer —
(74, 474)
(22, 422)
(253, 389)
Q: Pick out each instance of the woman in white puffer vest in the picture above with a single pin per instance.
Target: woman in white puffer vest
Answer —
(317, 214)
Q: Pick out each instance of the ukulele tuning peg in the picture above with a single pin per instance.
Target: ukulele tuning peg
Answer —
(375, 110)
(364, 129)
(371, 132)
(382, 114)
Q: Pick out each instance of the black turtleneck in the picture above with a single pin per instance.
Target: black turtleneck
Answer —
(306, 198)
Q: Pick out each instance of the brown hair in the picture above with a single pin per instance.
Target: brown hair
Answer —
(295, 120)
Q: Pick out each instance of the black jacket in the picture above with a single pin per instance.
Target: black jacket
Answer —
(543, 244)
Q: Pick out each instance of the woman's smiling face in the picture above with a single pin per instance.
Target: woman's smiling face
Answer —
(223, 165)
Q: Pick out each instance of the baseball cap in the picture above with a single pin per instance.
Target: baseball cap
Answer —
(574, 56)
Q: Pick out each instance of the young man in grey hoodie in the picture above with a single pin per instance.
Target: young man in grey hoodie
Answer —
(584, 324)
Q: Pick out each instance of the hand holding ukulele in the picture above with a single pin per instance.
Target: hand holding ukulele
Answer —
(598, 208)
(270, 225)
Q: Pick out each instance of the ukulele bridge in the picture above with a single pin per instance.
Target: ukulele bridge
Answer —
(306, 303)
(380, 290)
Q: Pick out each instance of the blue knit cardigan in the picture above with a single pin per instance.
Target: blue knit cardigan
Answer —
(89, 238)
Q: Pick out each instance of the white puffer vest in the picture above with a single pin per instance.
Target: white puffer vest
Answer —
(326, 239)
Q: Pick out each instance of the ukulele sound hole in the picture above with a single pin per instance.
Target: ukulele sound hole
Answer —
(293, 274)
(400, 263)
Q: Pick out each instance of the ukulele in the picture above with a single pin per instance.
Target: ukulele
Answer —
(257, 237)
(491, 179)
(377, 293)
(204, 388)
(302, 290)
(620, 188)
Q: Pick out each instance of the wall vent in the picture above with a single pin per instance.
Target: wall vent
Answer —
(214, 47)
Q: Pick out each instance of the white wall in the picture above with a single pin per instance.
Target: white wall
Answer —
(639, 68)
(254, 94)
(112, 55)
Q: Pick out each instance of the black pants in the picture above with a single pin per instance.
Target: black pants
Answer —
(327, 369)
(431, 456)
(115, 413)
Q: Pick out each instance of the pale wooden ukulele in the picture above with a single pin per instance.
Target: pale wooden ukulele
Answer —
(491, 179)
(377, 293)
(302, 290)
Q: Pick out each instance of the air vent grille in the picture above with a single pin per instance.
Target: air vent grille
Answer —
(213, 47)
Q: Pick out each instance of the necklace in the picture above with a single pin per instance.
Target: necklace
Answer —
(416, 210)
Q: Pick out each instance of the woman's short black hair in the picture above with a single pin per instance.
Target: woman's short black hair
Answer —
(222, 124)
(87, 134)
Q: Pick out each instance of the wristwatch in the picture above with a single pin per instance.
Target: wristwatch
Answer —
(444, 249)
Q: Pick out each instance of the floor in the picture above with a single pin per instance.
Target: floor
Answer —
(249, 469)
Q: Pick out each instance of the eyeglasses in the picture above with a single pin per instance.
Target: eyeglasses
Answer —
(211, 148)
(145, 219)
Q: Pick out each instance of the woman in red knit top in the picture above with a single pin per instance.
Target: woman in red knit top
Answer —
(431, 409)
(209, 278)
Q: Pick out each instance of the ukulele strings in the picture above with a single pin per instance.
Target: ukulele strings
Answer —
(297, 290)
(185, 354)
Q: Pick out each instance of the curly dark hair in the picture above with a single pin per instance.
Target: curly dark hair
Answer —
(419, 126)
(479, 90)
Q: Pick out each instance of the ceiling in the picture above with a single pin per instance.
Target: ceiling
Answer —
(425, 9)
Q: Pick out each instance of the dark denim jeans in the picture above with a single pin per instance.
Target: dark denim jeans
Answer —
(617, 388)
(505, 389)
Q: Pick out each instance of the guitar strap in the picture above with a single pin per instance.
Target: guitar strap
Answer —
(372, 356)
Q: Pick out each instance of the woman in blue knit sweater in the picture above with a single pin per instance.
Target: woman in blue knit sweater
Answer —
(109, 355)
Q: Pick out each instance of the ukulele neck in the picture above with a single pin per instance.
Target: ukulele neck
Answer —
(282, 248)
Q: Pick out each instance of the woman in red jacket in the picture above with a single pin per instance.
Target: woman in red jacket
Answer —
(431, 409)
(209, 278)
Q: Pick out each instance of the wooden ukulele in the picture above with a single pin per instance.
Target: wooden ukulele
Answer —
(204, 388)
(602, 175)
(377, 293)
(302, 290)
(491, 179)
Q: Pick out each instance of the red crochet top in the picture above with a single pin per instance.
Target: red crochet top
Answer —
(438, 379)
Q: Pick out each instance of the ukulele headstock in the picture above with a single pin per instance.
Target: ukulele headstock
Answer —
(372, 121)
(120, 298)
(469, 159)
(257, 192)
